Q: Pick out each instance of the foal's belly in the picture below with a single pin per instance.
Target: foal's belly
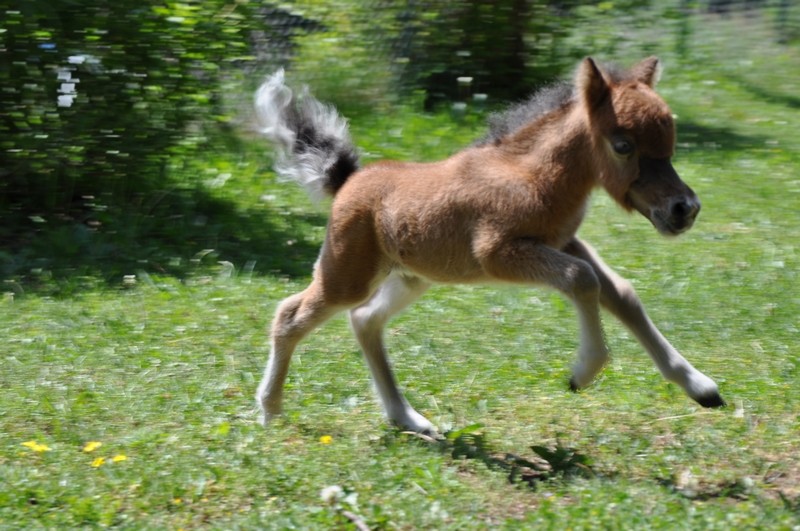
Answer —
(435, 256)
(453, 256)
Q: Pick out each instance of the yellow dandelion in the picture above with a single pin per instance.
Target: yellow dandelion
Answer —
(177, 501)
(91, 446)
(119, 457)
(36, 447)
(98, 462)
(326, 439)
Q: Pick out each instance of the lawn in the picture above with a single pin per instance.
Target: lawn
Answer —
(126, 394)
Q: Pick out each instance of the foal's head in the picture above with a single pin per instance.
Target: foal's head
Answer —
(634, 138)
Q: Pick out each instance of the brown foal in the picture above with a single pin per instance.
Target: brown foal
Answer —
(504, 209)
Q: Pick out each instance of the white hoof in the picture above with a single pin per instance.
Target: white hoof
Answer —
(266, 418)
(410, 420)
(586, 369)
(268, 412)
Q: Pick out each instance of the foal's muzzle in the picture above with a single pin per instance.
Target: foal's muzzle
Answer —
(661, 196)
(679, 215)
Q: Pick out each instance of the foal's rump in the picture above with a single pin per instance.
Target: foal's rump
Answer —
(415, 221)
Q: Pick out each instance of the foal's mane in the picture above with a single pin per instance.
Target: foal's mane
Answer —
(544, 101)
(515, 117)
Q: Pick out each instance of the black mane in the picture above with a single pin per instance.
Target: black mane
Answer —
(548, 99)
(544, 101)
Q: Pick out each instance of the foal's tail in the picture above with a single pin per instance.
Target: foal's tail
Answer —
(312, 141)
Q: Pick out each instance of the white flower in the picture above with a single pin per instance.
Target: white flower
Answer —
(331, 494)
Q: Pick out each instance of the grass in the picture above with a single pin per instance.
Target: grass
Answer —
(160, 364)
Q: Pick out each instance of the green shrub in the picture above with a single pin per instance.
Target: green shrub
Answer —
(98, 95)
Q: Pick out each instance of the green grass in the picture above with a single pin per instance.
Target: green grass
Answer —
(162, 369)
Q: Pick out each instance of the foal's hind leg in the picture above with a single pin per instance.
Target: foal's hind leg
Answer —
(619, 297)
(348, 269)
(344, 277)
(295, 318)
(368, 321)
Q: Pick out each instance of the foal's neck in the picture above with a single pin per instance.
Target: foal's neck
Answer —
(556, 148)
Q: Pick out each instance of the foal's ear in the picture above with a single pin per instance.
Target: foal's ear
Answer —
(648, 71)
(592, 85)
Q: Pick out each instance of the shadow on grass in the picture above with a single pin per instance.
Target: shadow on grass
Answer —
(564, 463)
(548, 463)
(177, 233)
(736, 489)
(767, 96)
(560, 462)
(700, 139)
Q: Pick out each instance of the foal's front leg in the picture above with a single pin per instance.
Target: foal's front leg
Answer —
(619, 297)
(525, 260)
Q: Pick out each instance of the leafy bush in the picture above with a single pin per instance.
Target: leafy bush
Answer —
(97, 96)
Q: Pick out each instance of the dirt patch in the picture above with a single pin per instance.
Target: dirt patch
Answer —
(782, 480)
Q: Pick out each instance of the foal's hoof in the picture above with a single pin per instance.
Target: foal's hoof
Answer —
(711, 401)
(574, 387)
(429, 436)
(266, 418)
(409, 420)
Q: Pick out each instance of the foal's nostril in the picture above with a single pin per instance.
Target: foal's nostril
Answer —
(684, 209)
(680, 209)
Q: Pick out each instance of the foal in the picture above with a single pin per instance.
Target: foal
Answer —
(505, 209)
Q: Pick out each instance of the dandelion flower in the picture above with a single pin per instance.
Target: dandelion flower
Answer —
(326, 439)
(36, 447)
(98, 462)
(119, 457)
(91, 446)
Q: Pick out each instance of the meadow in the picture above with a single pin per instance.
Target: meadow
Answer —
(126, 391)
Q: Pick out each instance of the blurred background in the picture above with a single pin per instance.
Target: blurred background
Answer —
(125, 135)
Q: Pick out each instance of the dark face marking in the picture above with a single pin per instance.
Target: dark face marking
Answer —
(661, 196)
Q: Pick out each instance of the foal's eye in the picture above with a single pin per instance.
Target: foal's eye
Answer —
(622, 146)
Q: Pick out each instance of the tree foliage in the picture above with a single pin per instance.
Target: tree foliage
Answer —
(98, 95)
(451, 49)
(502, 48)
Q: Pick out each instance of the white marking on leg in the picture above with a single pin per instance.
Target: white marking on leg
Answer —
(269, 394)
(672, 365)
(593, 352)
(368, 321)
(618, 295)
